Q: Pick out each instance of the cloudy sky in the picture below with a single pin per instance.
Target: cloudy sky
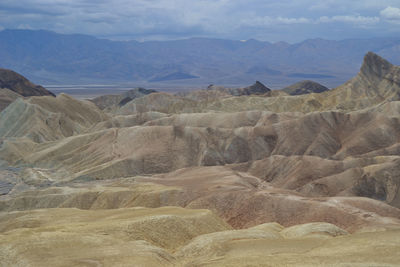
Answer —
(267, 20)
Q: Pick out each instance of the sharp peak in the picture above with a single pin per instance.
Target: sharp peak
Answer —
(371, 56)
(375, 64)
(258, 82)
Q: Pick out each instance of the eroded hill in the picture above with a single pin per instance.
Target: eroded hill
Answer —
(218, 177)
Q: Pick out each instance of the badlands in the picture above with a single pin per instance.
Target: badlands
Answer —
(303, 176)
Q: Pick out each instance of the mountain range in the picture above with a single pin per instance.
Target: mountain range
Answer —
(51, 58)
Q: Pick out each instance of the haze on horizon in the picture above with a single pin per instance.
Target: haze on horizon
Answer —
(290, 21)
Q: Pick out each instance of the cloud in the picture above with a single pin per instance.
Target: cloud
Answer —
(391, 14)
(349, 19)
(24, 27)
(349, 6)
(271, 20)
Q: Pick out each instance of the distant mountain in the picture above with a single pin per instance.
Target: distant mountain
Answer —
(174, 76)
(310, 75)
(48, 57)
(305, 87)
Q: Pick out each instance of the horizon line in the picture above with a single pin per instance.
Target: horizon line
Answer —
(197, 37)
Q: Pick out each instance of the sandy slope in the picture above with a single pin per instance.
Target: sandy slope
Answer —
(180, 237)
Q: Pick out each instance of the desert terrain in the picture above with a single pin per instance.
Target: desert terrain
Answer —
(303, 176)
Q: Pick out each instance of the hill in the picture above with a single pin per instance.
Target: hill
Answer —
(304, 87)
(14, 85)
(180, 237)
(19, 84)
(6, 97)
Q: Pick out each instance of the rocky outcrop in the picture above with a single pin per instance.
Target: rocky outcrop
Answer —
(256, 89)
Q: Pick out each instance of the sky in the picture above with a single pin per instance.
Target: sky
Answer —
(266, 20)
